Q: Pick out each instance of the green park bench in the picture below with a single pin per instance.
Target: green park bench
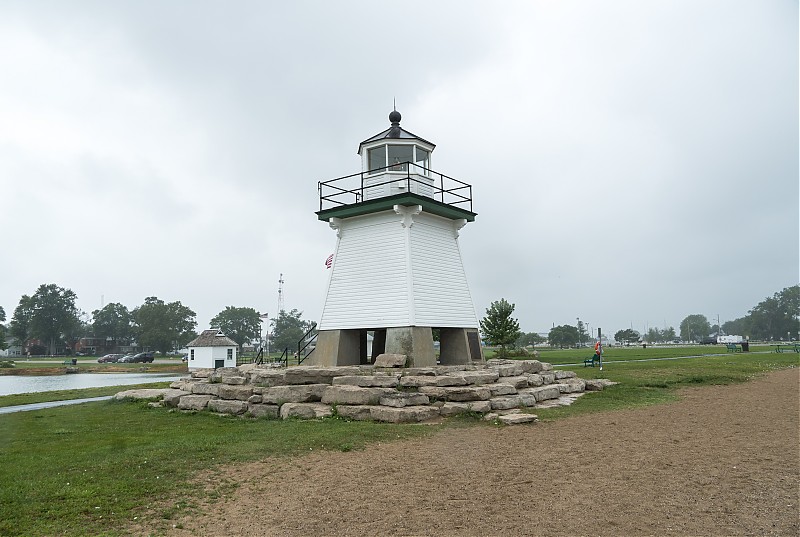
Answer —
(733, 347)
(788, 347)
(593, 359)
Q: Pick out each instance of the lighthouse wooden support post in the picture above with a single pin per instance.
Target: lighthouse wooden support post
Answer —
(397, 269)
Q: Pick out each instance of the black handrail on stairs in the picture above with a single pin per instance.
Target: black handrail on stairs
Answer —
(305, 342)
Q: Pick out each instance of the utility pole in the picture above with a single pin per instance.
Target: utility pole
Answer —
(280, 293)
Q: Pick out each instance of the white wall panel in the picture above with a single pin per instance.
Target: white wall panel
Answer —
(385, 274)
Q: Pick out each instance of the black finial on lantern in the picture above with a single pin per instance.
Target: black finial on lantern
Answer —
(395, 117)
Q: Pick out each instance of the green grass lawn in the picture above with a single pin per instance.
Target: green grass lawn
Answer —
(576, 356)
(90, 469)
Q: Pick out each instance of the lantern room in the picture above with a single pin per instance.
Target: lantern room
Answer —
(392, 155)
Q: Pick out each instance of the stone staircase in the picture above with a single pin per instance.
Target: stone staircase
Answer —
(498, 390)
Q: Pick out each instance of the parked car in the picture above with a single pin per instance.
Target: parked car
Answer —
(143, 358)
(128, 358)
(109, 359)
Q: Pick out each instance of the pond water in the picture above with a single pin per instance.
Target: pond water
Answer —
(13, 384)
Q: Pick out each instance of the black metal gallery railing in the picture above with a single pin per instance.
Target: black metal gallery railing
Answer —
(350, 188)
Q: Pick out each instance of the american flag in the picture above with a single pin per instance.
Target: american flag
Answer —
(329, 261)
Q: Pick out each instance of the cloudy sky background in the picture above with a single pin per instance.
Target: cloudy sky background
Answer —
(632, 162)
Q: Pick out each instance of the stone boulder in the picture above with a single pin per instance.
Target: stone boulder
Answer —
(390, 360)
(172, 397)
(267, 377)
(241, 393)
(263, 411)
(355, 412)
(205, 388)
(194, 402)
(458, 394)
(143, 394)
(401, 399)
(227, 407)
(305, 410)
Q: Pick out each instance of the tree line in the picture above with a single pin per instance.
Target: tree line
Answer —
(773, 319)
(49, 322)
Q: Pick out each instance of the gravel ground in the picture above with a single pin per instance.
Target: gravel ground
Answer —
(723, 460)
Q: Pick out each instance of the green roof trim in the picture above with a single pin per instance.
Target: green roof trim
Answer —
(429, 205)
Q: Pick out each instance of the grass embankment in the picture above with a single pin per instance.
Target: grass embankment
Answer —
(90, 469)
(65, 395)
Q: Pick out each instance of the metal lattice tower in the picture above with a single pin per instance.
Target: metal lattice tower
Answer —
(280, 293)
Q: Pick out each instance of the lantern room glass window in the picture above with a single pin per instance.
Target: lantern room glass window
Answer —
(376, 159)
(422, 161)
(395, 158)
(400, 156)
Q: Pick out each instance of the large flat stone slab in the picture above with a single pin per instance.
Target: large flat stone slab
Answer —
(477, 378)
(408, 414)
(267, 377)
(516, 419)
(353, 395)
(297, 393)
(466, 393)
(317, 375)
(368, 381)
(452, 409)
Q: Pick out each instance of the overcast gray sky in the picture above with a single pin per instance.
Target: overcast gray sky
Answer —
(632, 162)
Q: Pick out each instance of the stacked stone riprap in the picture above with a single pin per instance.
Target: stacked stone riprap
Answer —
(497, 390)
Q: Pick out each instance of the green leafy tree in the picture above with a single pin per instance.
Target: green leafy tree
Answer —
(20, 325)
(627, 336)
(530, 338)
(668, 334)
(113, 321)
(498, 327)
(160, 326)
(695, 327)
(3, 344)
(287, 329)
(583, 335)
(776, 317)
(240, 324)
(563, 336)
(53, 315)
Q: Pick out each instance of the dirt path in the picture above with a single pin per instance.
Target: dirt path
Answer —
(721, 461)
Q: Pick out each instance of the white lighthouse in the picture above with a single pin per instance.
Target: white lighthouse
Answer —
(397, 269)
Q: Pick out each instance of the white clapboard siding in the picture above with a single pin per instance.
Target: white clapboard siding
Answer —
(368, 287)
(385, 274)
(440, 291)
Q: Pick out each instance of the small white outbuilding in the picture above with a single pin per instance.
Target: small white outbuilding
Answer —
(212, 349)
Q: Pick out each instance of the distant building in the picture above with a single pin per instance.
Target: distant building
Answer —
(212, 349)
